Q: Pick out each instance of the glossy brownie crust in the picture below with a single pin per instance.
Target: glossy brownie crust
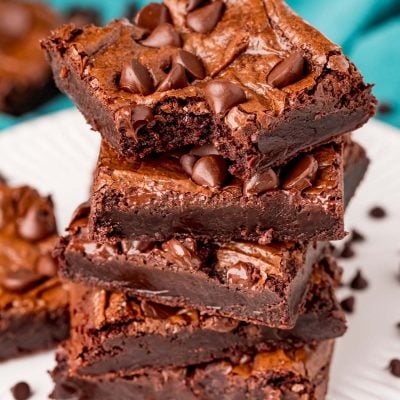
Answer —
(156, 200)
(25, 77)
(281, 374)
(269, 126)
(113, 332)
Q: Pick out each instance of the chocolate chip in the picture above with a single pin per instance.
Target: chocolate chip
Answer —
(348, 304)
(301, 174)
(157, 311)
(152, 15)
(179, 254)
(359, 282)
(141, 246)
(377, 212)
(21, 391)
(385, 108)
(347, 251)
(141, 116)
(193, 4)
(239, 274)
(287, 71)
(38, 222)
(81, 212)
(394, 367)
(193, 65)
(205, 150)
(162, 36)
(356, 236)
(220, 324)
(209, 171)
(135, 78)
(15, 21)
(20, 280)
(222, 95)
(80, 16)
(47, 266)
(176, 79)
(204, 19)
(261, 182)
(187, 162)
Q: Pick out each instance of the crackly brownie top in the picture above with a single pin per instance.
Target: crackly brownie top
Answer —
(22, 25)
(27, 236)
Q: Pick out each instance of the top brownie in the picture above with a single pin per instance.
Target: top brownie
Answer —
(249, 77)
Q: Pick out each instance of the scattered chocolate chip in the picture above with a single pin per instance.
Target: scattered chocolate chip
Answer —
(38, 222)
(394, 367)
(385, 108)
(205, 150)
(220, 324)
(347, 251)
(348, 304)
(152, 15)
(135, 78)
(162, 36)
(21, 391)
(261, 182)
(176, 79)
(157, 311)
(204, 19)
(47, 266)
(287, 71)
(81, 16)
(359, 282)
(187, 162)
(222, 95)
(356, 236)
(377, 212)
(15, 21)
(301, 174)
(239, 274)
(20, 281)
(193, 4)
(209, 171)
(193, 65)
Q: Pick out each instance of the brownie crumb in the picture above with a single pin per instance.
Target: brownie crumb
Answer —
(21, 391)
(347, 304)
(377, 212)
(356, 236)
(359, 282)
(347, 251)
(385, 108)
(394, 367)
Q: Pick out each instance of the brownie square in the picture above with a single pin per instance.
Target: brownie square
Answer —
(25, 77)
(33, 304)
(250, 77)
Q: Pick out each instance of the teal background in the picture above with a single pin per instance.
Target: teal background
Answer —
(368, 30)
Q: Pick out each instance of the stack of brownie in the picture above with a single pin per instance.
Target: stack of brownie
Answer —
(200, 268)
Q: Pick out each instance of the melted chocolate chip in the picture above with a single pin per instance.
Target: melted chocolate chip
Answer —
(210, 171)
(162, 36)
(187, 162)
(141, 246)
(222, 95)
(21, 391)
(239, 274)
(394, 367)
(377, 212)
(348, 304)
(301, 174)
(176, 79)
(220, 324)
(15, 21)
(47, 266)
(141, 116)
(193, 4)
(21, 280)
(135, 78)
(204, 19)
(261, 182)
(152, 15)
(205, 150)
(191, 63)
(359, 282)
(288, 71)
(179, 254)
(157, 311)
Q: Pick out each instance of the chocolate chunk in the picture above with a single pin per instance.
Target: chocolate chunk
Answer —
(47, 266)
(210, 171)
(205, 150)
(176, 79)
(136, 79)
(301, 174)
(221, 324)
(356, 236)
(261, 182)
(359, 282)
(187, 162)
(193, 4)
(80, 16)
(377, 212)
(193, 65)
(157, 311)
(222, 95)
(162, 36)
(348, 304)
(15, 21)
(21, 391)
(204, 19)
(152, 15)
(177, 253)
(347, 251)
(20, 281)
(394, 367)
(38, 222)
(384, 108)
(288, 71)
(239, 274)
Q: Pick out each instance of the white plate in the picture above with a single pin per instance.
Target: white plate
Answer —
(57, 154)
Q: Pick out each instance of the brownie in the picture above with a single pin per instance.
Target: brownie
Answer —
(250, 77)
(33, 304)
(262, 284)
(25, 77)
(156, 199)
(114, 332)
(295, 374)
